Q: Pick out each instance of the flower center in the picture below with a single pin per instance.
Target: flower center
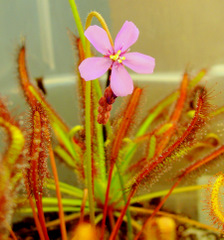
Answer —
(117, 57)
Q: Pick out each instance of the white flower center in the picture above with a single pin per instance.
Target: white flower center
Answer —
(117, 57)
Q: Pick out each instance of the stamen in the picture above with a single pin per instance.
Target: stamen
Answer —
(118, 52)
(116, 57)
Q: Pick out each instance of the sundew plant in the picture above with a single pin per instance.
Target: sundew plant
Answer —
(113, 157)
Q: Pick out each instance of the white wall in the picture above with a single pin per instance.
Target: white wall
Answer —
(178, 33)
(44, 25)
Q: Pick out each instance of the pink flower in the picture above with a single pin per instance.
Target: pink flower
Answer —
(115, 58)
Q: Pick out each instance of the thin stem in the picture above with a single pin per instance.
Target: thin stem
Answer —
(102, 22)
(88, 134)
(104, 25)
(82, 211)
(120, 219)
(36, 220)
(89, 151)
(97, 89)
(58, 193)
(111, 217)
(78, 21)
(86, 46)
(13, 235)
(38, 199)
(134, 223)
(101, 166)
(128, 214)
(89, 166)
(106, 200)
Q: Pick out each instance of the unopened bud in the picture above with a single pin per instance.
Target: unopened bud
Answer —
(100, 118)
(107, 115)
(100, 109)
(102, 101)
(108, 108)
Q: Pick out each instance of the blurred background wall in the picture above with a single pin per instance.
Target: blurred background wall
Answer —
(178, 34)
(44, 24)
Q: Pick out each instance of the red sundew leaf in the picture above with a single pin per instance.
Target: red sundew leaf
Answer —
(187, 137)
(163, 140)
(13, 153)
(29, 89)
(125, 123)
(213, 200)
(198, 120)
(9, 163)
(34, 96)
(38, 150)
(175, 115)
(38, 154)
(192, 168)
(200, 163)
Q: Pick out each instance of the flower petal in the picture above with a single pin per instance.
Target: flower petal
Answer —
(126, 37)
(94, 67)
(139, 62)
(99, 39)
(121, 82)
